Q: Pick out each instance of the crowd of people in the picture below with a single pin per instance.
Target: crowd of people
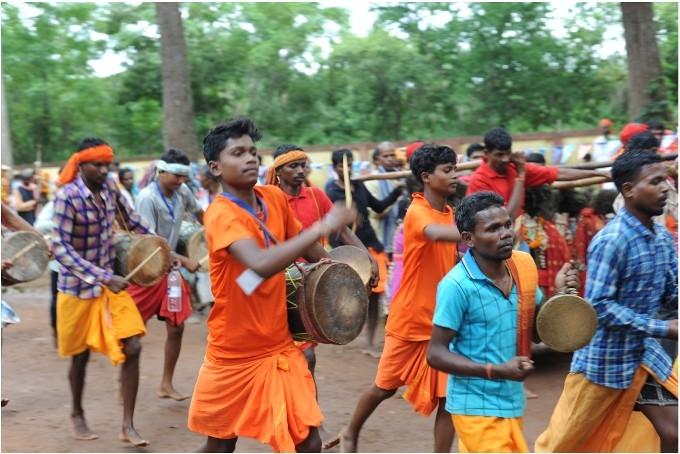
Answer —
(460, 265)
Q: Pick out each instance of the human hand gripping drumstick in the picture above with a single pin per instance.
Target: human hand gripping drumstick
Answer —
(348, 187)
(141, 265)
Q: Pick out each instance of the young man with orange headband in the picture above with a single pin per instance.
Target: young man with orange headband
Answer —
(94, 312)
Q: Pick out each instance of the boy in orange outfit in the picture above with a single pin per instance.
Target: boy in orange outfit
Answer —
(430, 252)
(254, 382)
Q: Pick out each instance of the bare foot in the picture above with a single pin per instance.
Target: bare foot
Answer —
(168, 392)
(373, 352)
(326, 437)
(347, 443)
(80, 429)
(529, 393)
(131, 435)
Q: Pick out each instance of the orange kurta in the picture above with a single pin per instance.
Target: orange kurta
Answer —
(409, 326)
(253, 381)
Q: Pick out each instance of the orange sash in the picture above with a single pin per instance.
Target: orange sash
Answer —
(525, 275)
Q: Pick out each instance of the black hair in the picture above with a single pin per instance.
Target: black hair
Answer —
(643, 141)
(627, 167)
(603, 202)
(336, 155)
(376, 154)
(216, 139)
(472, 148)
(655, 124)
(497, 139)
(571, 201)
(285, 148)
(536, 158)
(123, 171)
(90, 142)
(173, 156)
(468, 208)
(428, 157)
(539, 201)
(206, 173)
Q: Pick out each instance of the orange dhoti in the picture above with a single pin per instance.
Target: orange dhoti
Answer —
(593, 418)
(271, 399)
(489, 434)
(98, 324)
(383, 261)
(405, 363)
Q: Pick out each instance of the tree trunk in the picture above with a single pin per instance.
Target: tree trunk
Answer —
(6, 136)
(647, 93)
(178, 105)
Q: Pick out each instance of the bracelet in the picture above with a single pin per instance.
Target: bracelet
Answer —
(521, 179)
(488, 371)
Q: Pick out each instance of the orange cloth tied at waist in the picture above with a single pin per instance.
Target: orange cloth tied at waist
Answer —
(271, 399)
(99, 153)
(525, 275)
(282, 160)
(383, 263)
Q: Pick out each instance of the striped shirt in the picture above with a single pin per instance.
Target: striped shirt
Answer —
(82, 238)
(632, 273)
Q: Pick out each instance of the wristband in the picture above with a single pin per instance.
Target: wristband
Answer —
(488, 371)
(520, 179)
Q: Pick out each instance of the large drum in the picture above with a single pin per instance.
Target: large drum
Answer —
(355, 257)
(132, 250)
(327, 302)
(192, 241)
(29, 256)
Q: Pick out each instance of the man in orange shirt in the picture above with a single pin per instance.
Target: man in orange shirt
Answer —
(254, 382)
(430, 252)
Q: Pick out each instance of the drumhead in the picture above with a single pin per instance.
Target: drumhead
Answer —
(355, 257)
(338, 301)
(140, 248)
(566, 323)
(192, 242)
(30, 265)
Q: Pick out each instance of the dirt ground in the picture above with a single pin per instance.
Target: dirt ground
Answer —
(36, 419)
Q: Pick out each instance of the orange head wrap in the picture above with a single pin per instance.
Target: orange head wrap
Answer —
(98, 153)
(282, 160)
(605, 122)
(630, 130)
(411, 148)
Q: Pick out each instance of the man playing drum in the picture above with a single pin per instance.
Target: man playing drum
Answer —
(483, 328)
(94, 312)
(632, 273)
(162, 205)
(254, 382)
(430, 252)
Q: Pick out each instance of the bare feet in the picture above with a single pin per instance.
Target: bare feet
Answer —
(80, 429)
(529, 394)
(373, 352)
(168, 392)
(347, 443)
(130, 435)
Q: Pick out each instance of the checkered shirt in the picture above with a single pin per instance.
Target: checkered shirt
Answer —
(82, 238)
(632, 272)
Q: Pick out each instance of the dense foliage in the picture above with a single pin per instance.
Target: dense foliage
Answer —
(306, 79)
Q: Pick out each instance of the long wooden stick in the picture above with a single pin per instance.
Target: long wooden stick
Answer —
(348, 187)
(24, 250)
(144, 262)
(579, 183)
(204, 260)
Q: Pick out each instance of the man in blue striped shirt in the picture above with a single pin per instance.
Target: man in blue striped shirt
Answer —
(632, 273)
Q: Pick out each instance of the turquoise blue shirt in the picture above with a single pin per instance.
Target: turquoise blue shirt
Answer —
(486, 322)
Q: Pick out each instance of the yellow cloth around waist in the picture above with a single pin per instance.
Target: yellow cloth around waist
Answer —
(593, 418)
(98, 324)
(489, 434)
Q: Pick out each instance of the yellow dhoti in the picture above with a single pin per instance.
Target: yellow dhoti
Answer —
(98, 324)
(593, 418)
(489, 434)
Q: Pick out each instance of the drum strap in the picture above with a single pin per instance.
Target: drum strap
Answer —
(523, 270)
(268, 236)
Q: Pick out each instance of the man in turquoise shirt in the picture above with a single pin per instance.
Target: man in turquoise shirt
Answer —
(474, 338)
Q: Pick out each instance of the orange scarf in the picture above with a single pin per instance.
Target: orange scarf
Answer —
(99, 153)
(282, 160)
(524, 273)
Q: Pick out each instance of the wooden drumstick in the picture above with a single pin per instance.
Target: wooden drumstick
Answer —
(24, 250)
(348, 187)
(204, 260)
(141, 265)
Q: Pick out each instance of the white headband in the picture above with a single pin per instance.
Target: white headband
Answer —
(173, 167)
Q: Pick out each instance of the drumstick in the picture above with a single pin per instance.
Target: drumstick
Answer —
(141, 265)
(204, 260)
(348, 185)
(24, 250)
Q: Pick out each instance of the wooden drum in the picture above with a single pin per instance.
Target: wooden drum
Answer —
(131, 250)
(192, 241)
(327, 302)
(29, 256)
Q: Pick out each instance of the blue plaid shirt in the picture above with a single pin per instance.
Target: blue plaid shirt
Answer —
(632, 272)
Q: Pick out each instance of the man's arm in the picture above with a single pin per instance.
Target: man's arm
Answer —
(442, 232)
(315, 253)
(125, 212)
(566, 174)
(379, 205)
(13, 221)
(20, 204)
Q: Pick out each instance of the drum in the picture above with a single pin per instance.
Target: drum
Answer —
(327, 302)
(192, 241)
(355, 257)
(131, 250)
(566, 322)
(29, 255)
